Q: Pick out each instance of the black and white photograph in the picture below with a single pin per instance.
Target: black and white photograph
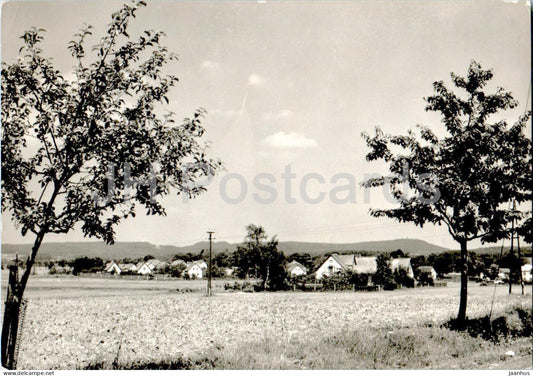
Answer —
(266, 185)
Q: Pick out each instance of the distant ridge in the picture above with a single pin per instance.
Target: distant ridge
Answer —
(119, 250)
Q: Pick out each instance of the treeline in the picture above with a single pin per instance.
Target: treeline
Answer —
(262, 260)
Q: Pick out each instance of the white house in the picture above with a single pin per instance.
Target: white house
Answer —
(144, 269)
(196, 269)
(402, 263)
(430, 270)
(337, 263)
(113, 268)
(201, 263)
(295, 269)
(504, 274)
(152, 266)
(526, 271)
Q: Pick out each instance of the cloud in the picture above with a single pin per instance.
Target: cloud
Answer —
(210, 65)
(284, 140)
(256, 80)
(279, 115)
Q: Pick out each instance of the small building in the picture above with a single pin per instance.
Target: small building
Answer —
(403, 263)
(295, 269)
(429, 270)
(201, 263)
(337, 263)
(177, 263)
(153, 266)
(144, 269)
(196, 269)
(504, 274)
(113, 268)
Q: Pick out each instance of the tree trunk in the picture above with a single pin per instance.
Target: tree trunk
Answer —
(265, 283)
(15, 292)
(11, 318)
(461, 316)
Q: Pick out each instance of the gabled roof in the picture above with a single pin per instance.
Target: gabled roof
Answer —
(366, 265)
(295, 264)
(153, 262)
(178, 262)
(346, 261)
(426, 268)
(156, 264)
(126, 267)
(195, 263)
(400, 263)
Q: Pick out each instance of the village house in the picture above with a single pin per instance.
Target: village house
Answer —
(144, 269)
(430, 270)
(196, 269)
(504, 273)
(118, 268)
(337, 263)
(152, 266)
(228, 272)
(402, 263)
(295, 269)
(113, 268)
(362, 265)
(177, 262)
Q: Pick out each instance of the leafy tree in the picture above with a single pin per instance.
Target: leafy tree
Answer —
(424, 278)
(176, 270)
(86, 264)
(105, 146)
(465, 180)
(260, 258)
(401, 277)
(222, 260)
(383, 275)
(417, 261)
(514, 263)
(148, 257)
(303, 258)
(398, 254)
(358, 279)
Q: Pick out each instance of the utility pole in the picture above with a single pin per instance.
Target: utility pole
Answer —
(513, 231)
(209, 287)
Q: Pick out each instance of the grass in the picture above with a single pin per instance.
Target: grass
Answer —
(426, 347)
(407, 348)
(82, 323)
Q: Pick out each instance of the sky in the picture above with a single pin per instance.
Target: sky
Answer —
(290, 86)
